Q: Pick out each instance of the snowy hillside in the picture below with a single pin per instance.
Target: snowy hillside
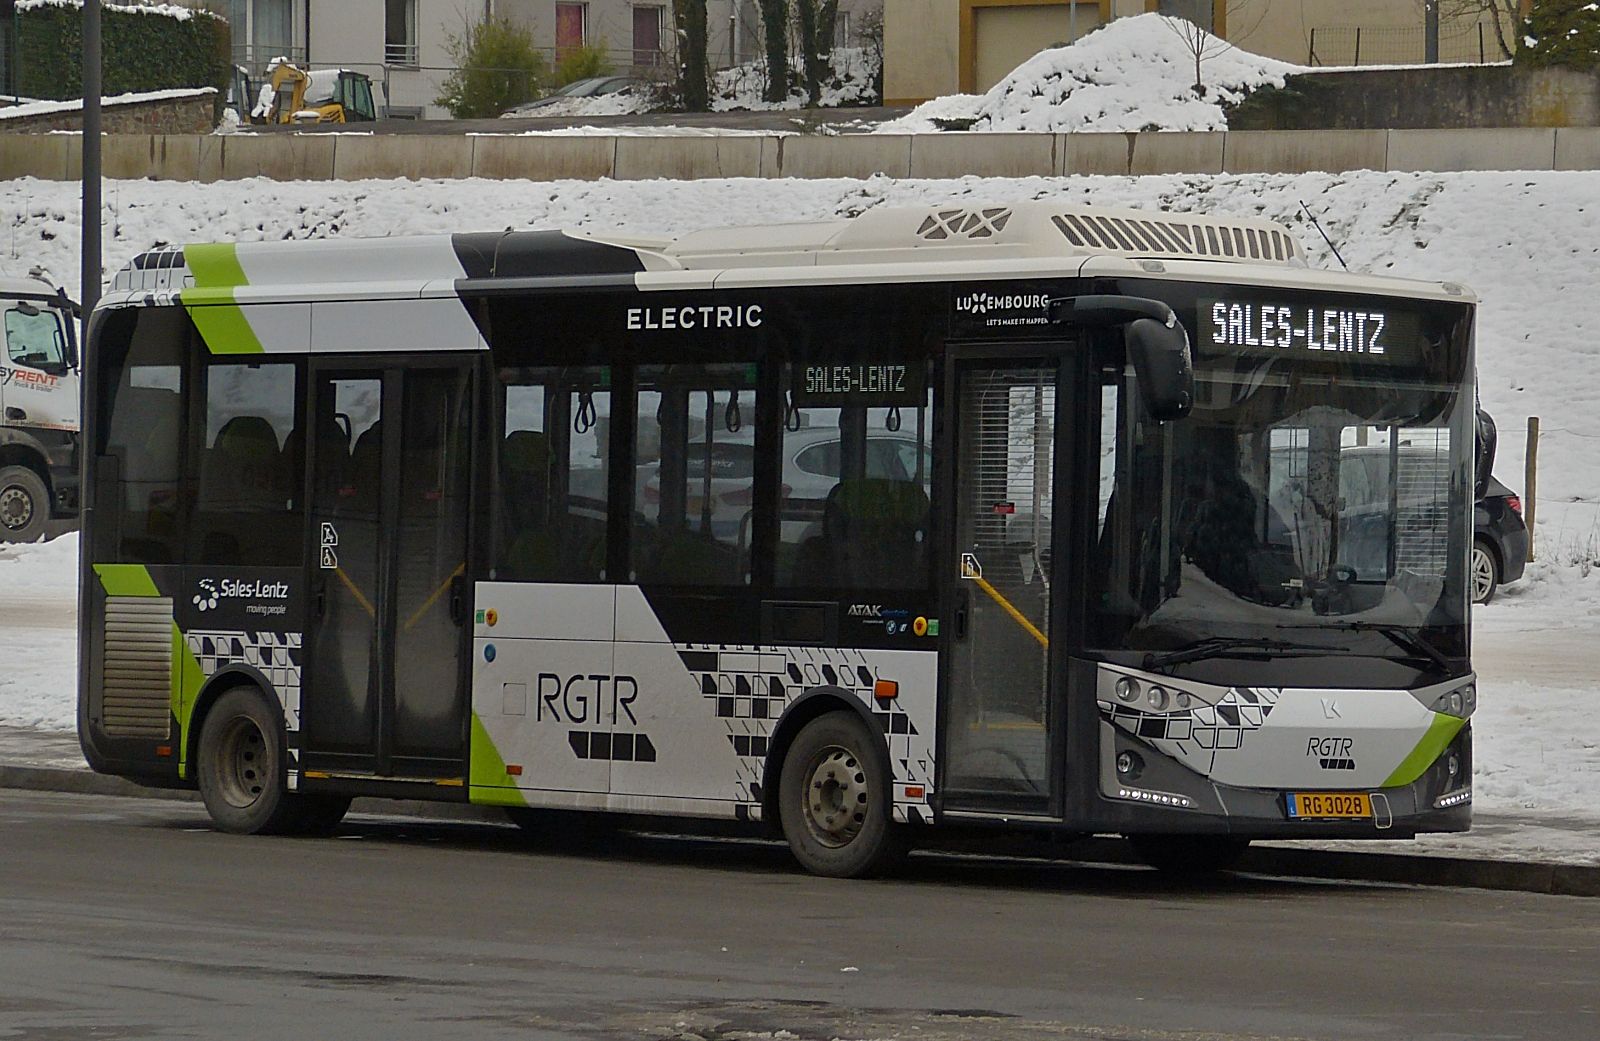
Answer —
(1133, 74)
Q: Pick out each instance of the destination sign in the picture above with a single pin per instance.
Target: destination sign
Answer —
(1373, 329)
(872, 386)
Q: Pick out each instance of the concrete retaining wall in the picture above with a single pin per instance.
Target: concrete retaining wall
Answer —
(193, 113)
(323, 157)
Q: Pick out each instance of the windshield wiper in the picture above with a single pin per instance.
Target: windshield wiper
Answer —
(1399, 635)
(1265, 647)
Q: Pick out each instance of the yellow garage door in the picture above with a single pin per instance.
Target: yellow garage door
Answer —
(1005, 37)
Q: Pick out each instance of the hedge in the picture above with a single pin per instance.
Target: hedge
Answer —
(140, 49)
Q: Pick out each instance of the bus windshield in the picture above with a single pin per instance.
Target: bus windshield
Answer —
(1302, 508)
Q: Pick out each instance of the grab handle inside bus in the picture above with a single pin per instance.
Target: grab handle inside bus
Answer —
(1158, 346)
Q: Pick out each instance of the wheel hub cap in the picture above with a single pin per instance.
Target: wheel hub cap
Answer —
(1482, 574)
(837, 798)
(244, 764)
(16, 507)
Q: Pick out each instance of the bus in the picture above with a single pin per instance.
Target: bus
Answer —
(1036, 516)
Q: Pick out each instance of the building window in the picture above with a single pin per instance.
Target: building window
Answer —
(400, 32)
(841, 29)
(647, 37)
(571, 28)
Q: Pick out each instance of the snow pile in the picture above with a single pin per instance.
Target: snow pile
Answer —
(38, 622)
(855, 71)
(182, 14)
(1133, 74)
(45, 108)
(629, 102)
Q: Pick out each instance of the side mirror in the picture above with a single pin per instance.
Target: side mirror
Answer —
(1488, 439)
(1161, 361)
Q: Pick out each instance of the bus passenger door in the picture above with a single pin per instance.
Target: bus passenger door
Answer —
(997, 750)
(391, 481)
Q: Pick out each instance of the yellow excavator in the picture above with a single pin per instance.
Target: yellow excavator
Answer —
(293, 95)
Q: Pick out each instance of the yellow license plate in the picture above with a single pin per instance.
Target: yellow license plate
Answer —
(1329, 805)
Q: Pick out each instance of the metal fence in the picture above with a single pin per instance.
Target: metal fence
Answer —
(1345, 45)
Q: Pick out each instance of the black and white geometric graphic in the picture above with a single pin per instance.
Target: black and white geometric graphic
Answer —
(1196, 735)
(275, 655)
(749, 689)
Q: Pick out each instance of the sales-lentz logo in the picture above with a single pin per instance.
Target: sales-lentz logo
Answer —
(1002, 309)
(213, 591)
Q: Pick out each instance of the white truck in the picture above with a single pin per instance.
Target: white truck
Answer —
(38, 409)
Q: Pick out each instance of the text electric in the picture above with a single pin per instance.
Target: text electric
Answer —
(709, 316)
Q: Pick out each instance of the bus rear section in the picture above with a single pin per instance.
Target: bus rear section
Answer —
(704, 529)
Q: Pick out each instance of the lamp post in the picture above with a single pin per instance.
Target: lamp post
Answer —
(91, 157)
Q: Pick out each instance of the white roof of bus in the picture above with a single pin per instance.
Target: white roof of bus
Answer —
(1035, 239)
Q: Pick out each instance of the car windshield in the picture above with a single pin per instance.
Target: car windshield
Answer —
(1303, 503)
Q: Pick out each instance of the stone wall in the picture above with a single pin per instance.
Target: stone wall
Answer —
(194, 114)
(1424, 97)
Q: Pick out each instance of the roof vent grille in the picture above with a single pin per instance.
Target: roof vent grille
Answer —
(1122, 234)
(972, 224)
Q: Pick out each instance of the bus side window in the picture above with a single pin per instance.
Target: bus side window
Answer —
(250, 468)
(694, 476)
(141, 402)
(553, 474)
(854, 503)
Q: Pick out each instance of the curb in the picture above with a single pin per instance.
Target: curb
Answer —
(1404, 869)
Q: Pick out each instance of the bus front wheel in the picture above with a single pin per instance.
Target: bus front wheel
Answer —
(1189, 854)
(836, 799)
(241, 771)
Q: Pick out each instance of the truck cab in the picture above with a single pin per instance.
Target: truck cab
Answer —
(38, 409)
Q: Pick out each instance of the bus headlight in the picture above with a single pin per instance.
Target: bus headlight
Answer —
(1158, 698)
(1459, 702)
(1127, 689)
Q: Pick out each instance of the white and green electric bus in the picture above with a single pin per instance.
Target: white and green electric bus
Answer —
(1036, 516)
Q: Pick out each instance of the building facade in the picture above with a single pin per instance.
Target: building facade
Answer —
(938, 47)
(403, 45)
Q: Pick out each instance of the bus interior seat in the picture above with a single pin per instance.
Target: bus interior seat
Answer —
(243, 473)
(684, 556)
(869, 539)
(545, 542)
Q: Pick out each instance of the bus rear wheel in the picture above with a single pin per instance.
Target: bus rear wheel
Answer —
(241, 769)
(1189, 855)
(836, 799)
(24, 505)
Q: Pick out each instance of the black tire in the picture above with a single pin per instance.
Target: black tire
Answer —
(241, 767)
(1189, 855)
(1485, 572)
(836, 799)
(24, 505)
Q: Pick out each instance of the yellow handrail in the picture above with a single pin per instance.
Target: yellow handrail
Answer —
(1011, 610)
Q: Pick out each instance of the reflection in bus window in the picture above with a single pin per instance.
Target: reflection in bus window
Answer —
(250, 467)
(142, 402)
(694, 476)
(553, 473)
(853, 511)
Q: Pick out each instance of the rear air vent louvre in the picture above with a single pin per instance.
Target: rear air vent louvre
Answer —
(970, 224)
(138, 667)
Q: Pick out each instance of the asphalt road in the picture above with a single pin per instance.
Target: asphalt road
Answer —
(125, 918)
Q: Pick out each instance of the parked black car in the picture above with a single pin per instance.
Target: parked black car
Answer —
(1499, 543)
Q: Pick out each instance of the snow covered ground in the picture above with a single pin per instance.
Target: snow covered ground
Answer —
(1134, 74)
(1527, 242)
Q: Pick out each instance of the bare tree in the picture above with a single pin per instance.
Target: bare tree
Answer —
(1503, 17)
(1199, 42)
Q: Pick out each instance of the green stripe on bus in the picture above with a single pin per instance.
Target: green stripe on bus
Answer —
(216, 270)
(223, 327)
(1441, 732)
(187, 679)
(214, 264)
(126, 580)
(490, 784)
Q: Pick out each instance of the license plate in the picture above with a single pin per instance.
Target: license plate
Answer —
(1329, 805)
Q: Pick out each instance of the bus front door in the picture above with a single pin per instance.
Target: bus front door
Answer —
(997, 715)
(391, 483)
